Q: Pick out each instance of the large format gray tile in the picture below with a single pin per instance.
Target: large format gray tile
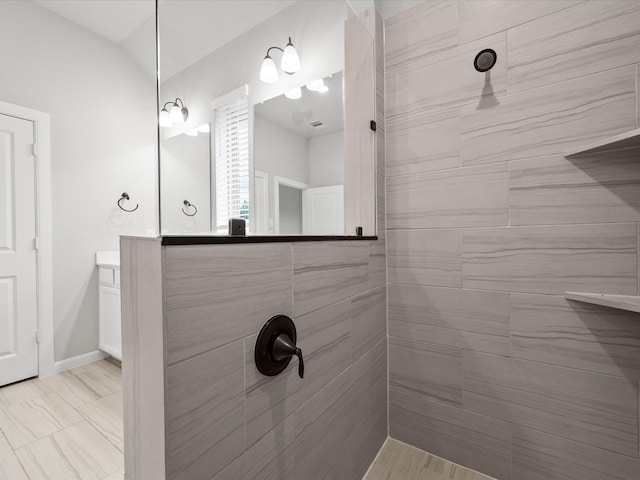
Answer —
(550, 119)
(538, 455)
(470, 439)
(406, 37)
(22, 391)
(425, 257)
(598, 188)
(327, 272)
(368, 321)
(445, 80)
(423, 143)
(471, 319)
(34, 419)
(479, 18)
(324, 336)
(599, 410)
(230, 274)
(78, 452)
(369, 408)
(462, 197)
(270, 458)
(204, 412)
(551, 329)
(432, 371)
(581, 258)
(572, 43)
(377, 261)
(324, 425)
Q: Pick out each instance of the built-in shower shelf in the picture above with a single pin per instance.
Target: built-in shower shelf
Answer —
(622, 140)
(622, 302)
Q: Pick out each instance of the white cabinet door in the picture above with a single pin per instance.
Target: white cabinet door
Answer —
(110, 325)
(18, 287)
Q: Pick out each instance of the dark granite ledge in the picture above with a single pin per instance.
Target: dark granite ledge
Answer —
(225, 239)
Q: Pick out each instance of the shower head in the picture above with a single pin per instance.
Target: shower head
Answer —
(485, 60)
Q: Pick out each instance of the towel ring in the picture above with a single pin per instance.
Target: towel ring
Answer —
(125, 196)
(188, 204)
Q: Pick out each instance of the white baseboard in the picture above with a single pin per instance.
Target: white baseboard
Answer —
(78, 361)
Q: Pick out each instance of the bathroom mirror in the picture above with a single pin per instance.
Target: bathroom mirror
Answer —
(276, 119)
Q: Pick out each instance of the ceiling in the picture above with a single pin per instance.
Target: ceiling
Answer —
(189, 29)
(295, 115)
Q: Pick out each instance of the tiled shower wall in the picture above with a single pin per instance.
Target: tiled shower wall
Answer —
(488, 224)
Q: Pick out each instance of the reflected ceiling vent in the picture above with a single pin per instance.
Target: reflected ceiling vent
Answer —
(317, 124)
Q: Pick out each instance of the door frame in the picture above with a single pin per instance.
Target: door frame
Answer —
(287, 182)
(44, 253)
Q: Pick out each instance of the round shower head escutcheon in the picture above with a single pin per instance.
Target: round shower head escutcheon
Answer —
(485, 60)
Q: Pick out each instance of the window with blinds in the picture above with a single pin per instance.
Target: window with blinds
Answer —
(232, 161)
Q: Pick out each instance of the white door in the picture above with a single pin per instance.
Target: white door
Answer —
(323, 210)
(18, 295)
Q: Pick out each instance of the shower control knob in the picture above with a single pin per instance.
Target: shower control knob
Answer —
(276, 345)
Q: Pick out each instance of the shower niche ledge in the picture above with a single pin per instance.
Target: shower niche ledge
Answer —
(622, 140)
(630, 303)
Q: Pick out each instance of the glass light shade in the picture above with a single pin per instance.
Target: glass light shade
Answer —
(268, 71)
(323, 89)
(192, 133)
(294, 94)
(290, 61)
(317, 85)
(177, 114)
(204, 128)
(165, 118)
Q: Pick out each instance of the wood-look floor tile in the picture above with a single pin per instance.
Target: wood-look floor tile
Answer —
(119, 475)
(105, 415)
(22, 391)
(34, 419)
(10, 468)
(73, 389)
(78, 452)
(99, 380)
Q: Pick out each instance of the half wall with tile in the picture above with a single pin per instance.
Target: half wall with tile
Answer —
(191, 315)
(488, 224)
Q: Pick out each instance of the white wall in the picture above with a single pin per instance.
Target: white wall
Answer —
(290, 211)
(103, 143)
(326, 160)
(186, 176)
(279, 151)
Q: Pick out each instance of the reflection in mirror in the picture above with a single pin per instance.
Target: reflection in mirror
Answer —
(268, 77)
(299, 143)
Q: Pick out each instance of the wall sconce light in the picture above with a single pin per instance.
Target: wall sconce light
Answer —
(175, 114)
(290, 63)
(294, 94)
(318, 86)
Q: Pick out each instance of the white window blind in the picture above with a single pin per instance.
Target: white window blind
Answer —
(232, 161)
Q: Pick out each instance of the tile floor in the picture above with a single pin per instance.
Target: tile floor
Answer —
(66, 426)
(399, 461)
(69, 426)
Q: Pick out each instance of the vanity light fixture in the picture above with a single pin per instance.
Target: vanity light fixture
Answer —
(177, 113)
(290, 63)
(294, 94)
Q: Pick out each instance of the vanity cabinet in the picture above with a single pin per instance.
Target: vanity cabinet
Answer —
(109, 320)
